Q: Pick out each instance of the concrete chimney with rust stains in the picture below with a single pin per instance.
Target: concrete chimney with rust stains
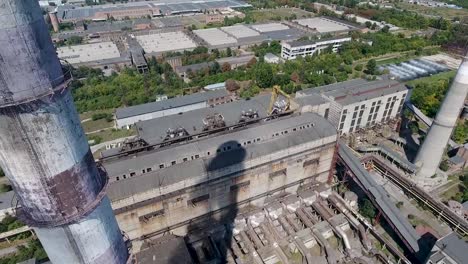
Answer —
(43, 149)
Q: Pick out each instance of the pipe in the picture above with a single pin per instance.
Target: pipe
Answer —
(329, 251)
(304, 251)
(268, 235)
(257, 259)
(320, 208)
(43, 149)
(339, 203)
(432, 150)
(299, 243)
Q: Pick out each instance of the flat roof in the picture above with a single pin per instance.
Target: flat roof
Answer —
(89, 52)
(168, 104)
(357, 90)
(300, 43)
(167, 7)
(240, 31)
(324, 25)
(215, 37)
(268, 27)
(168, 41)
(454, 246)
(199, 167)
(286, 34)
(154, 130)
(167, 249)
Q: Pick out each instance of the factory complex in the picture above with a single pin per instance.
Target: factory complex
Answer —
(330, 174)
(142, 9)
(111, 47)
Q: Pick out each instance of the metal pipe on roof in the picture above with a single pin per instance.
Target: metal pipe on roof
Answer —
(432, 150)
(43, 149)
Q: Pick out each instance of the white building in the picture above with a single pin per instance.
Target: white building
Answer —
(128, 116)
(291, 50)
(358, 103)
(271, 58)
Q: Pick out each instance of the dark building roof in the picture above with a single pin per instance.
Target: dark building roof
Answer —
(154, 130)
(168, 104)
(167, 249)
(200, 167)
(453, 246)
(356, 90)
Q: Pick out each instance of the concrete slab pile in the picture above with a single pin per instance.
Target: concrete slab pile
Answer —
(43, 149)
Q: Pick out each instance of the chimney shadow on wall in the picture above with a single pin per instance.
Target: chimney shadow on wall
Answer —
(209, 238)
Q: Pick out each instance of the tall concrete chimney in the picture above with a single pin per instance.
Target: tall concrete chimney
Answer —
(43, 149)
(54, 21)
(431, 152)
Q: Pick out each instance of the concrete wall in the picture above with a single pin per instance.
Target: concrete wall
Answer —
(382, 114)
(277, 172)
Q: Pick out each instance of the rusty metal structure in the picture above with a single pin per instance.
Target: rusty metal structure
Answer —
(43, 149)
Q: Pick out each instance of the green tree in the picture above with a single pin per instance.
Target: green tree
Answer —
(263, 75)
(371, 67)
(367, 209)
(228, 52)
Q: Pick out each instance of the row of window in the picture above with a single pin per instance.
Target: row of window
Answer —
(372, 117)
(219, 150)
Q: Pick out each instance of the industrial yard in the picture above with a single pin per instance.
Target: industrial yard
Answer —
(232, 132)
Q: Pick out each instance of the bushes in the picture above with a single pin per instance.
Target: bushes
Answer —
(108, 117)
(5, 188)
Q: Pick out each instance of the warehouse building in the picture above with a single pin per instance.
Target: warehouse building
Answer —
(450, 249)
(358, 103)
(104, 55)
(242, 36)
(128, 116)
(163, 42)
(291, 50)
(167, 187)
(326, 25)
(142, 9)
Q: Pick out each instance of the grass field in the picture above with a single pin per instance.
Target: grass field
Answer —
(90, 126)
(111, 134)
(447, 195)
(447, 13)
(433, 78)
(264, 15)
(87, 115)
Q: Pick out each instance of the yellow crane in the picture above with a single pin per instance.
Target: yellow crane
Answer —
(276, 91)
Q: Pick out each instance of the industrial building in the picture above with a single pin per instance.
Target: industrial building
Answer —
(142, 9)
(358, 103)
(166, 187)
(159, 43)
(291, 50)
(241, 36)
(450, 249)
(128, 116)
(326, 25)
(104, 55)
(44, 152)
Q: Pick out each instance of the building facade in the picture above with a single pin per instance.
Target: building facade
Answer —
(291, 50)
(155, 191)
(128, 116)
(359, 103)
